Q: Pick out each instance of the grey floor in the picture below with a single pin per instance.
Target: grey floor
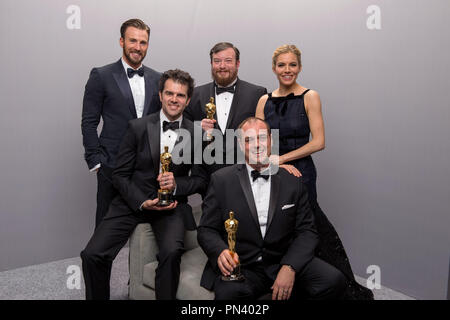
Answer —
(51, 281)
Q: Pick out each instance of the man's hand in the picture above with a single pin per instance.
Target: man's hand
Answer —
(167, 181)
(282, 287)
(208, 124)
(152, 205)
(227, 262)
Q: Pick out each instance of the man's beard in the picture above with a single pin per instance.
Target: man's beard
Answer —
(223, 82)
(130, 59)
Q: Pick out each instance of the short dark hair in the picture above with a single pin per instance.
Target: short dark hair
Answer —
(223, 46)
(179, 76)
(137, 23)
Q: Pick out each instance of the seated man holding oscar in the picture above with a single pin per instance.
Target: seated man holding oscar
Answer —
(258, 231)
(154, 177)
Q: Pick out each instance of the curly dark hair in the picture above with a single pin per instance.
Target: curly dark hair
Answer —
(179, 76)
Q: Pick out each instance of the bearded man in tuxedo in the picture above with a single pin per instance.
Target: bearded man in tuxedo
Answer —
(117, 93)
(235, 100)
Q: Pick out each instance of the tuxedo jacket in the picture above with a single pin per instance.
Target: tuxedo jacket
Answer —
(245, 99)
(138, 164)
(290, 237)
(108, 96)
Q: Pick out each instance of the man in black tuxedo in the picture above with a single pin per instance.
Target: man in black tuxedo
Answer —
(137, 177)
(117, 93)
(235, 99)
(276, 236)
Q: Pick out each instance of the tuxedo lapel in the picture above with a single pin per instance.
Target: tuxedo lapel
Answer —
(274, 191)
(122, 81)
(247, 190)
(154, 132)
(234, 104)
(148, 91)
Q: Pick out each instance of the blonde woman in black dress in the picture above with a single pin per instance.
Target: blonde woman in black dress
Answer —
(297, 113)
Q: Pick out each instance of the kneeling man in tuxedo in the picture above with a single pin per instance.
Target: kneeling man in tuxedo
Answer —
(138, 177)
(276, 236)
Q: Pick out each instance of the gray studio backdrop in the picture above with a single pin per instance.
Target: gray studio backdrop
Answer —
(382, 73)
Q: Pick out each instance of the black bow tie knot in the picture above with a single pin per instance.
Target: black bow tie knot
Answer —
(170, 125)
(220, 90)
(132, 72)
(256, 174)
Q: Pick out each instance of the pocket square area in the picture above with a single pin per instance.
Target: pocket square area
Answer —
(287, 206)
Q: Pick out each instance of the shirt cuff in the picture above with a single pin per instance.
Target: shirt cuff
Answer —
(290, 267)
(95, 168)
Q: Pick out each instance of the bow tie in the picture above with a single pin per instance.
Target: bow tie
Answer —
(256, 174)
(170, 125)
(132, 72)
(220, 90)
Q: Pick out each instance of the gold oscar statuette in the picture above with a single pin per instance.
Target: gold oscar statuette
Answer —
(165, 196)
(231, 226)
(210, 109)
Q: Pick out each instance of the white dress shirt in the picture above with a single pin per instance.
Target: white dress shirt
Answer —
(137, 85)
(223, 107)
(261, 194)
